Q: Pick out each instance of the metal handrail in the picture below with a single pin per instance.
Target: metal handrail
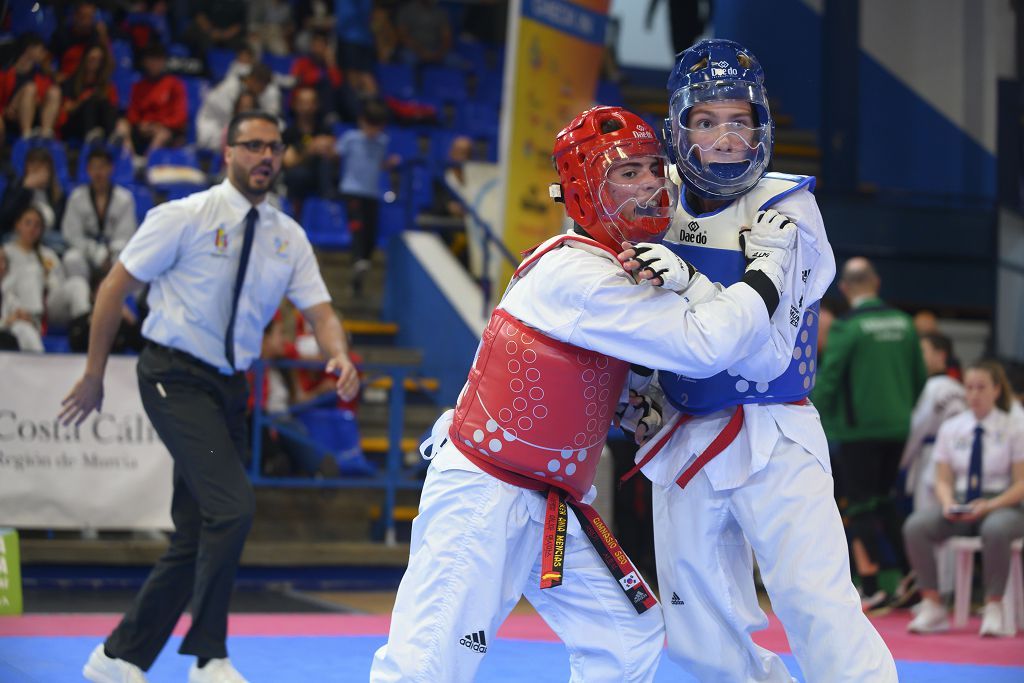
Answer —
(390, 482)
(488, 238)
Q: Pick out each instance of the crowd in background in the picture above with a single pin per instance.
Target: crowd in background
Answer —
(923, 450)
(107, 108)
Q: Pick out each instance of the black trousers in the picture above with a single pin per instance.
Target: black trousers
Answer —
(200, 416)
(363, 216)
(869, 470)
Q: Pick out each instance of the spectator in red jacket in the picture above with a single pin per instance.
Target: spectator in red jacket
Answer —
(89, 107)
(318, 69)
(28, 94)
(158, 108)
(83, 29)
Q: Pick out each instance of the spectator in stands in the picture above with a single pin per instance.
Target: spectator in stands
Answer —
(385, 35)
(38, 187)
(941, 399)
(216, 23)
(925, 322)
(364, 154)
(310, 16)
(37, 278)
(158, 108)
(215, 113)
(868, 381)
(356, 48)
(90, 103)
(146, 22)
(310, 162)
(283, 454)
(18, 330)
(99, 219)
(319, 70)
(979, 483)
(29, 97)
(271, 25)
(1015, 375)
(84, 29)
(424, 32)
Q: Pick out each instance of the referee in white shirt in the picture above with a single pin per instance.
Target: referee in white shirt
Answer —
(218, 263)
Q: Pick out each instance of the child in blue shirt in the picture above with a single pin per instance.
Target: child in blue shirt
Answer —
(363, 153)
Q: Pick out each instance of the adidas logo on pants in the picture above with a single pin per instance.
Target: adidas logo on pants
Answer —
(475, 641)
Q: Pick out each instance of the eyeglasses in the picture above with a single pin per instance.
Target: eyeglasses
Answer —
(258, 146)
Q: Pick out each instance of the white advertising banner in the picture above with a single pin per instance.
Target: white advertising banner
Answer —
(110, 472)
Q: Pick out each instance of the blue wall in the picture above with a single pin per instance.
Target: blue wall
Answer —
(905, 143)
(426, 320)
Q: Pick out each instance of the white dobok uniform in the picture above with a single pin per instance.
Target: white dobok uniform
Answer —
(942, 398)
(476, 543)
(770, 491)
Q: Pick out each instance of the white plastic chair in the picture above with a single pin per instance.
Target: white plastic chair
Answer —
(964, 548)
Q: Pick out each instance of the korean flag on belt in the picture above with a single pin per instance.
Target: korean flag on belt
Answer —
(629, 580)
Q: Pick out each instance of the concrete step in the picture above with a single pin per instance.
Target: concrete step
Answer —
(390, 355)
(417, 417)
(411, 384)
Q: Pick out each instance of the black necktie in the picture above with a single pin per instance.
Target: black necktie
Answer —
(974, 470)
(243, 262)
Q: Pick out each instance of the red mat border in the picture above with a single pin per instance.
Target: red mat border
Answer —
(961, 646)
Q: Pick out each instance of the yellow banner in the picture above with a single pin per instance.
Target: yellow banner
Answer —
(555, 55)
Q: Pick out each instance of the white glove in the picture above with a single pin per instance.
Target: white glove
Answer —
(674, 273)
(640, 417)
(769, 245)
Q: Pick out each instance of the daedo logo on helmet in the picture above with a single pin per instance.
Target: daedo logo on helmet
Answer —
(719, 150)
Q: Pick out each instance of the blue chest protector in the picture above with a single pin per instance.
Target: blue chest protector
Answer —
(711, 243)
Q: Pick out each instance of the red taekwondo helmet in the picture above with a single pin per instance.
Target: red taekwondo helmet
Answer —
(613, 177)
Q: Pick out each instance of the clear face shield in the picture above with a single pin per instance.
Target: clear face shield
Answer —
(722, 135)
(634, 197)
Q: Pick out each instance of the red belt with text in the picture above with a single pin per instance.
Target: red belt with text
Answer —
(556, 522)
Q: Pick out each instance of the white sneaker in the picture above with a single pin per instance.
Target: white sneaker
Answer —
(931, 618)
(215, 671)
(992, 621)
(103, 669)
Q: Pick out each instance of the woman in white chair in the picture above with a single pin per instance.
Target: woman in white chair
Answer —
(979, 482)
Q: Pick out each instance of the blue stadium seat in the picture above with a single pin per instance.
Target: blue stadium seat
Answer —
(121, 51)
(396, 80)
(143, 200)
(443, 83)
(56, 147)
(219, 59)
(326, 223)
(478, 119)
(175, 156)
(124, 80)
(56, 343)
(33, 17)
(124, 173)
(195, 89)
(403, 142)
(279, 64)
(336, 431)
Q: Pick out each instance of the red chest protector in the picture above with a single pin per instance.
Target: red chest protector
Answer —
(536, 411)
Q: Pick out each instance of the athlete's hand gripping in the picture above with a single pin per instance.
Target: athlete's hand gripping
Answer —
(656, 264)
(769, 245)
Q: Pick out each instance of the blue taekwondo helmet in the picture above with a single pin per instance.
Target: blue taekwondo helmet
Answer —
(722, 154)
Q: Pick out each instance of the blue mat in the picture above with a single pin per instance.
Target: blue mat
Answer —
(344, 659)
